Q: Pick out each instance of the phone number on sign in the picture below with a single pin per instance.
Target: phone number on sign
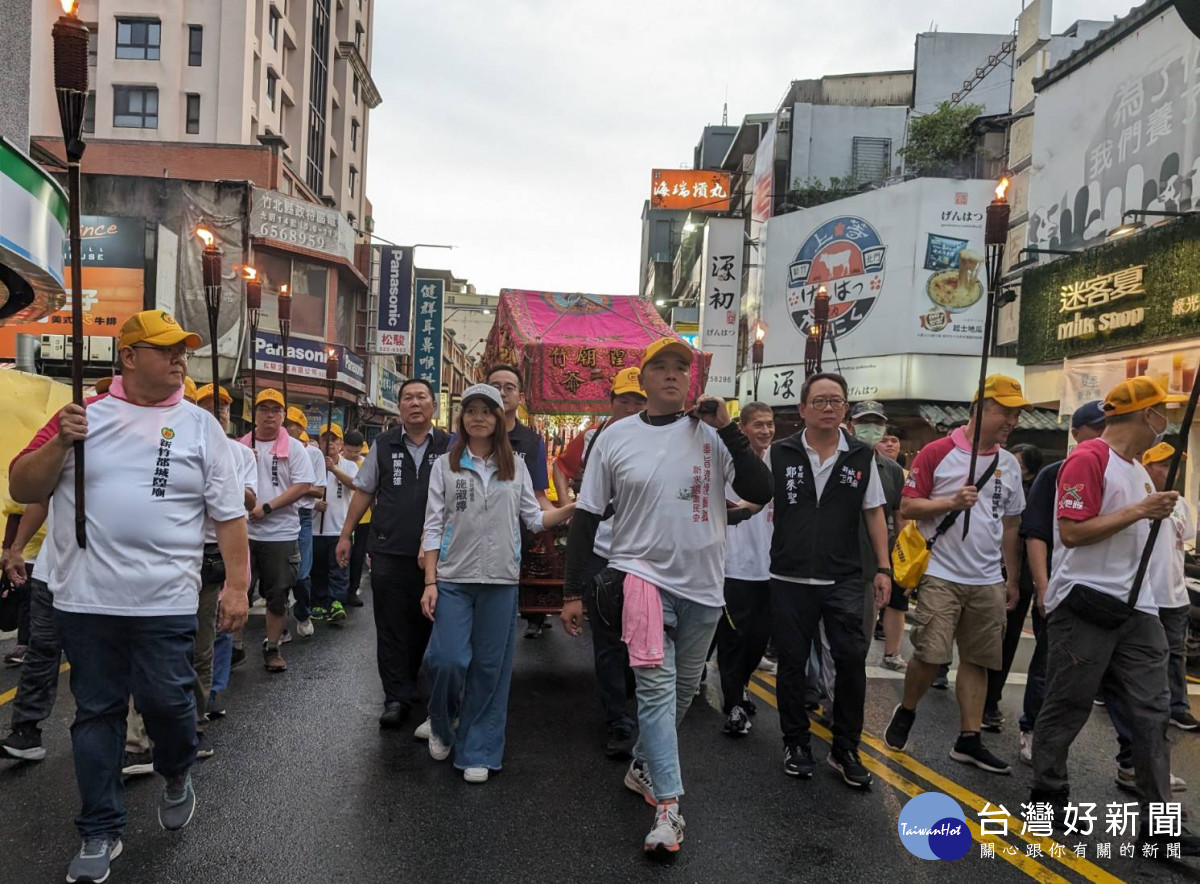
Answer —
(293, 236)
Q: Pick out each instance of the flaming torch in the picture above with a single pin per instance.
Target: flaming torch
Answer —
(814, 347)
(210, 265)
(756, 354)
(285, 331)
(253, 310)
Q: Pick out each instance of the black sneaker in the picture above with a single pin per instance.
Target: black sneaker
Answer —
(138, 764)
(1185, 721)
(177, 805)
(1189, 845)
(847, 763)
(993, 720)
(738, 722)
(216, 706)
(92, 862)
(204, 747)
(879, 636)
(798, 762)
(619, 745)
(969, 749)
(942, 683)
(237, 658)
(896, 735)
(748, 703)
(1057, 800)
(25, 742)
(393, 715)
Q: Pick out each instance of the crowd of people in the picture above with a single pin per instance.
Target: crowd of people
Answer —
(690, 535)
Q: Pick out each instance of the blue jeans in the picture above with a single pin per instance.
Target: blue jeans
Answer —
(665, 692)
(329, 581)
(112, 658)
(222, 661)
(469, 662)
(303, 589)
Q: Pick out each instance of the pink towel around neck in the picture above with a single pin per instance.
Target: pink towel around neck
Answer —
(282, 441)
(642, 622)
(117, 390)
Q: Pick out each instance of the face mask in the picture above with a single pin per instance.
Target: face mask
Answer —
(1159, 437)
(872, 434)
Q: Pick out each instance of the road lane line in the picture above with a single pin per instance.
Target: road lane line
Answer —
(9, 696)
(1080, 866)
(1025, 864)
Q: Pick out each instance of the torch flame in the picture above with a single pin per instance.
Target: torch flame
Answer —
(822, 293)
(284, 292)
(332, 353)
(69, 7)
(1002, 188)
(249, 273)
(759, 332)
(207, 236)
(815, 331)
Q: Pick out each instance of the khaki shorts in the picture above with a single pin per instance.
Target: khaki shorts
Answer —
(972, 615)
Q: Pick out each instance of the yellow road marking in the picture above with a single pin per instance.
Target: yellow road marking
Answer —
(9, 696)
(1029, 866)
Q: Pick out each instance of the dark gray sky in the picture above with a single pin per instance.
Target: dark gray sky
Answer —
(524, 132)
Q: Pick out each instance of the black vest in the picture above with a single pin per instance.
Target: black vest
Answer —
(818, 539)
(399, 510)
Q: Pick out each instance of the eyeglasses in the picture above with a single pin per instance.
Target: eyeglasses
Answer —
(827, 403)
(176, 351)
(506, 388)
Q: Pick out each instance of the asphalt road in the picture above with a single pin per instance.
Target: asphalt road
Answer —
(305, 787)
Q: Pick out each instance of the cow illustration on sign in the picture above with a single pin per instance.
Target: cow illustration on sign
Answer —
(846, 255)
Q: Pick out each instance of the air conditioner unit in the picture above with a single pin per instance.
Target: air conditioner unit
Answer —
(54, 347)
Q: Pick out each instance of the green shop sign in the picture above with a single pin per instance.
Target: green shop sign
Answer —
(1144, 289)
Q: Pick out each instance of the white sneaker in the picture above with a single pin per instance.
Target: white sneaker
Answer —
(1178, 784)
(768, 666)
(305, 628)
(438, 750)
(423, 730)
(895, 662)
(667, 833)
(285, 638)
(637, 779)
(476, 774)
(1027, 746)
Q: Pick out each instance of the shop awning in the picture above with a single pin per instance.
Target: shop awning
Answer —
(946, 415)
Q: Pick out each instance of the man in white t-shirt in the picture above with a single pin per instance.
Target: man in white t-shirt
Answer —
(743, 634)
(1106, 502)
(329, 579)
(964, 596)
(664, 473)
(285, 475)
(125, 604)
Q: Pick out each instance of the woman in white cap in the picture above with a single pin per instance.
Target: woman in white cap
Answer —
(479, 494)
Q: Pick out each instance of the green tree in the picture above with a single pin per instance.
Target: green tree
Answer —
(940, 142)
(805, 194)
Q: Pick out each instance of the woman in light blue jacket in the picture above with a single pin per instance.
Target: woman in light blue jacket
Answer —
(479, 495)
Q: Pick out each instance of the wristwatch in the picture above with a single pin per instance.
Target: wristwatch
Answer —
(887, 571)
(266, 509)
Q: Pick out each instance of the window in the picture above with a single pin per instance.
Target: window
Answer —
(353, 179)
(358, 36)
(870, 159)
(195, 45)
(318, 94)
(135, 107)
(354, 134)
(355, 89)
(138, 38)
(273, 27)
(89, 112)
(272, 79)
(193, 114)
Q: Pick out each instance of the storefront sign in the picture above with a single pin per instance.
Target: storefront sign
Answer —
(721, 301)
(307, 225)
(307, 357)
(699, 190)
(395, 299)
(389, 391)
(427, 361)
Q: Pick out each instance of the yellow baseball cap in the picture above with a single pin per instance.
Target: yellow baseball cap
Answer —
(364, 450)
(189, 389)
(296, 416)
(304, 437)
(336, 430)
(156, 327)
(1160, 452)
(206, 392)
(1004, 390)
(668, 345)
(269, 395)
(1136, 394)
(628, 380)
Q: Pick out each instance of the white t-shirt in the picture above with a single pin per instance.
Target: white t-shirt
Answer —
(317, 459)
(275, 476)
(938, 471)
(667, 487)
(1166, 572)
(153, 475)
(247, 474)
(1094, 481)
(748, 544)
(337, 500)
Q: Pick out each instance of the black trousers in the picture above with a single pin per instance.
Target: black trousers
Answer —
(796, 613)
(401, 630)
(358, 556)
(614, 678)
(742, 635)
(1012, 640)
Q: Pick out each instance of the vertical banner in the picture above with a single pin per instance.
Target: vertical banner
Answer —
(427, 362)
(721, 302)
(395, 299)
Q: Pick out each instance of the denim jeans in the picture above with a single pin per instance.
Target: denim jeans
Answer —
(665, 692)
(303, 588)
(38, 684)
(112, 658)
(222, 661)
(328, 580)
(470, 660)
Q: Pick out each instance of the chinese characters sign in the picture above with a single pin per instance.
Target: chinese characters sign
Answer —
(701, 190)
(394, 299)
(1100, 291)
(307, 225)
(427, 360)
(721, 302)
(307, 359)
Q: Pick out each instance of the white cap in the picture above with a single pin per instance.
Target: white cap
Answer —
(483, 391)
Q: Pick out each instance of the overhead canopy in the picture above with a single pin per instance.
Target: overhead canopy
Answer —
(570, 346)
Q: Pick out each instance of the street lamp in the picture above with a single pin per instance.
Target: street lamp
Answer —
(1127, 227)
(756, 354)
(210, 266)
(253, 310)
(70, 38)
(285, 331)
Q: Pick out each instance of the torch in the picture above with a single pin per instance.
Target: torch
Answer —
(331, 371)
(814, 347)
(756, 354)
(210, 264)
(71, 86)
(253, 309)
(285, 330)
(995, 236)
